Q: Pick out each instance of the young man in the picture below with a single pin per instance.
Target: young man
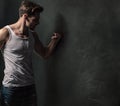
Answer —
(17, 42)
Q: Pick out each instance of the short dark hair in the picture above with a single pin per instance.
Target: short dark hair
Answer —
(29, 8)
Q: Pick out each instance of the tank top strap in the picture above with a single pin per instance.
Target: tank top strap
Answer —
(8, 28)
(10, 31)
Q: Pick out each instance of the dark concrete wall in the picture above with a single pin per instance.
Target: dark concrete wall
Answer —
(84, 69)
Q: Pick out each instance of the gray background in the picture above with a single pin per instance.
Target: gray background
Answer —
(85, 67)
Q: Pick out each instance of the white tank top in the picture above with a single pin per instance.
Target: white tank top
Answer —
(17, 54)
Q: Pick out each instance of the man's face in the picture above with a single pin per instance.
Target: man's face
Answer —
(33, 21)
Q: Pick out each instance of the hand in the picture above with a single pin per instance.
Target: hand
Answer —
(23, 24)
(56, 36)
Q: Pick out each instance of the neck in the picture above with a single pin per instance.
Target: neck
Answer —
(20, 25)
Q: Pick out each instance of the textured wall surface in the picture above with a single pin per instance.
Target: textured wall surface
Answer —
(85, 67)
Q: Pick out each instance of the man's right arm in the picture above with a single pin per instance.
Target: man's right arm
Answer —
(4, 34)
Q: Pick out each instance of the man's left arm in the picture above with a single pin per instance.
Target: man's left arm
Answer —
(43, 51)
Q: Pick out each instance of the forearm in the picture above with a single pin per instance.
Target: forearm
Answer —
(51, 46)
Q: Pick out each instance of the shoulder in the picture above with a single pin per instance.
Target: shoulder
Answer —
(4, 32)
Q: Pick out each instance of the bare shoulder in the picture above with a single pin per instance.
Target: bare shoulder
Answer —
(3, 36)
(4, 33)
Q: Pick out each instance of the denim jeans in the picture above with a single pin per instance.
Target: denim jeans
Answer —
(18, 96)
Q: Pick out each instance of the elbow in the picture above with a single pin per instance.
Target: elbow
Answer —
(46, 54)
(45, 57)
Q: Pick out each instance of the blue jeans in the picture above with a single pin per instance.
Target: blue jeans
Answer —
(18, 96)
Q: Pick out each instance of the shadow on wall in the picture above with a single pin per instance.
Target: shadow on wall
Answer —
(103, 88)
(52, 95)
